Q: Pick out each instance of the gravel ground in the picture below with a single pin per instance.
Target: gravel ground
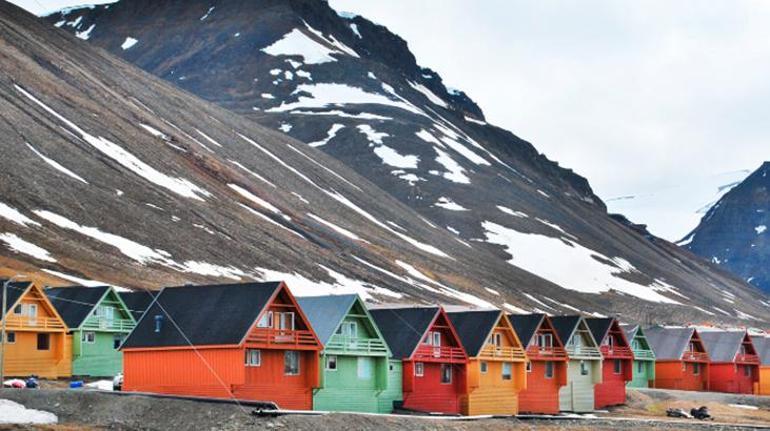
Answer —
(90, 410)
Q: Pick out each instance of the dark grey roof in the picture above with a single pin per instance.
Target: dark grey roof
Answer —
(403, 328)
(14, 292)
(75, 303)
(526, 325)
(137, 302)
(630, 331)
(668, 343)
(599, 327)
(722, 345)
(473, 327)
(206, 315)
(325, 313)
(762, 344)
(565, 326)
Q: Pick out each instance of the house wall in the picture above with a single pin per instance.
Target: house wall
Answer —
(578, 394)
(344, 389)
(427, 393)
(393, 393)
(612, 390)
(729, 377)
(23, 359)
(643, 374)
(492, 394)
(542, 393)
(763, 386)
(671, 375)
(96, 359)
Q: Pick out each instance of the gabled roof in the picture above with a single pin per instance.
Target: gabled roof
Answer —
(473, 327)
(206, 315)
(630, 330)
(668, 343)
(600, 327)
(137, 302)
(75, 304)
(565, 326)
(326, 312)
(404, 328)
(14, 292)
(526, 325)
(722, 345)
(762, 344)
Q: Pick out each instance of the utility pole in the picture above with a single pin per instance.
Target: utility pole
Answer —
(2, 332)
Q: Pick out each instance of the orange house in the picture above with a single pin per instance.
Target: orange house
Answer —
(244, 341)
(36, 339)
(547, 363)
(762, 344)
(681, 360)
(496, 368)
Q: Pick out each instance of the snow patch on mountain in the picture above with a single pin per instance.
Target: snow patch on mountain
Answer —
(329, 135)
(334, 227)
(128, 43)
(19, 245)
(259, 201)
(297, 43)
(12, 214)
(323, 95)
(449, 204)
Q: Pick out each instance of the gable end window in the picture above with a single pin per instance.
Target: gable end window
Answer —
(266, 321)
(253, 357)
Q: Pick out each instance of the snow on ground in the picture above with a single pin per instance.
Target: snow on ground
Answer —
(252, 173)
(74, 279)
(449, 204)
(128, 43)
(208, 138)
(760, 229)
(412, 179)
(429, 138)
(57, 166)
(204, 268)
(12, 214)
(303, 286)
(297, 43)
(464, 151)
(342, 114)
(544, 194)
(285, 127)
(372, 135)
(267, 96)
(475, 121)
(323, 95)
(444, 289)
(429, 94)
(354, 28)
(492, 291)
(455, 172)
(336, 228)
(299, 196)
(269, 220)
(85, 34)
(569, 264)
(19, 245)
(102, 385)
(539, 302)
(208, 13)
(259, 201)
(391, 157)
(313, 161)
(514, 309)
(329, 135)
(744, 406)
(179, 186)
(331, 40)
(15, 413)
(512, 212)
(153, 131)
(280, 161)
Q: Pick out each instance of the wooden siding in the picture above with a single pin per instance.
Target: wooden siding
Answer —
(733, 378)
(427, 393)
(763, 386)
(268, 382)
(643, 375)
(99, 358)
(612, 390)
(578, 394)
(680, 375)
(488, 393)
(393, 393)
(345, 389)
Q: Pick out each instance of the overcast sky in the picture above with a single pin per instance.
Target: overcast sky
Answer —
(635, 96)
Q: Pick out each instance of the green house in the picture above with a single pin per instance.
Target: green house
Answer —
(584, 370)
(98, 321)
(356, 374)
(644, 357)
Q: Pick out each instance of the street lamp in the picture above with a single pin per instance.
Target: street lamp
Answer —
(2, 331)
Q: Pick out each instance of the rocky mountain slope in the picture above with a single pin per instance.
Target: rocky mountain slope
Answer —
(734, 233)
(117, 176)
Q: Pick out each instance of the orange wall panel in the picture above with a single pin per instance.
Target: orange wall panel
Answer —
(764, 380)
(542, 394)
(672, 375)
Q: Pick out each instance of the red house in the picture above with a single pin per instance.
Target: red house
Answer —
(681, 359)
(434, 360)
(546, 366)
(243, 341)
(734, 361)
(618, 361)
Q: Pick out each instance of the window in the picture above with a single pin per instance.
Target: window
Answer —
(635, 345)
(117, 340)
(291, 363)
(419, 369)
(583, 368)
(428, 340)
(484, 367)
(684, 367)
(88, 337)
(507, 371)
(286, 320)
(266, 321)
(747, 371)
(348, 329)
(639, 367)
(331, 363)
(692, 347)
(545, 341)
(549, 370)
(364, 368)
(390, 367)
(18, 310)
(743, 350)
(253, 357)
(529, 367)
(437, 339)
(43, 341)
(695, 368)
(497, 339)
(446, 374)
(32, 310)
(611, 341)
(618, 366)
(10, 337)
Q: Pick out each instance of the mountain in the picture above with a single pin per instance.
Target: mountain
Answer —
(119, 176)
(734, 232)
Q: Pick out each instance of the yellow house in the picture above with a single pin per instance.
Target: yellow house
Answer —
(36, 340)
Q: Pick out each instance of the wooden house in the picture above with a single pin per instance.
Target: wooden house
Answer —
(433, 359)
(644, 357)
(496, 367)
(137, 301)
(618, 361)
(546, 363)
(355, 360)
(36, 339)
(98, 321)
(247, 341)
(584, 370)
(762, 344)
(681, 359)
(734, 366)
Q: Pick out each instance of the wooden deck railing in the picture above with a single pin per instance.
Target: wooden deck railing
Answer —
(617, 351)
(537, 352)
(644, 354)
(36, 323)
(507, 353)
(695, 357)
(747, 359)
(121, 325)
(583, 351)
(439, 354)
(368, 346)
(281, 338)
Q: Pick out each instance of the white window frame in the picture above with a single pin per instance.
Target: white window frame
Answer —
(348, 329)
(281, 321)
(497, 340)
(507, 366)
(441, 377)
(250, 355)
(436, 339)
(639, 366)
(285, 356)
(428, 340)
(8, 335)
(584, 370)
(419, 369)
(483, 367)
(88, 337)
(331, 359)
(549, 369)
(266, 321)
(541, 341)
